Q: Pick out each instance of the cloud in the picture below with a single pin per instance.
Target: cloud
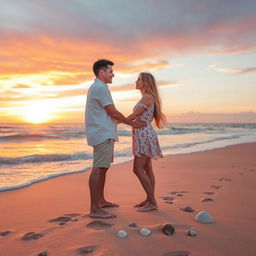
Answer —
(232, 70)
(69, 36)
(197, 117)
(21, 86)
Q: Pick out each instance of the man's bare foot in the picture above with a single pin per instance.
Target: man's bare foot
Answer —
(101, 214)
(147, 208)
(105, 204)
(141, 204)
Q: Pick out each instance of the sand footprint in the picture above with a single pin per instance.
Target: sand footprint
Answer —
(86, 249)
(65, 218)
(206, 199)
(32, 236)
(98, 224)
(209, 193)
(216, 186)
(5, 233)
(224, 179)
(177, 253)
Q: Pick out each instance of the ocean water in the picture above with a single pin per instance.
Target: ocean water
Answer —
(32, 153)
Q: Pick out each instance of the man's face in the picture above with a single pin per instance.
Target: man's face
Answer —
(107, 74)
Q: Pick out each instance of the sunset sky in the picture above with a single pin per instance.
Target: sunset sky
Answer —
(202, 54)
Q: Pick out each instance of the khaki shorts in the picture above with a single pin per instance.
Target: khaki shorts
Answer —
(103, 154)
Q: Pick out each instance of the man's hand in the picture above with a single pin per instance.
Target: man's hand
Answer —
(138, 124)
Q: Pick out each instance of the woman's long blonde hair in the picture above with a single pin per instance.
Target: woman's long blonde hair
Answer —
(149, 82)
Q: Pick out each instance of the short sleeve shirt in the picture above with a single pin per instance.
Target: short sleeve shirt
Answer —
(99, 125)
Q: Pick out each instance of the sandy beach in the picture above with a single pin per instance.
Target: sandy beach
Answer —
(227, 176)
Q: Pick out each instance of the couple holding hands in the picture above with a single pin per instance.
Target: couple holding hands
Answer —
(101, 132)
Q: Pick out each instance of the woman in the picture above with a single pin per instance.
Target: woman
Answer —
(145, 142)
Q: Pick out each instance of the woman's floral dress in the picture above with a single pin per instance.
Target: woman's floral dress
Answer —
(144, 140)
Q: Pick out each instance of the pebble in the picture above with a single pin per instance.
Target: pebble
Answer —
(122, 234)
(204, 217)
(187, 209)
(145, 232)
(191, 232)
(44, 253)
(168, 229)
(133, 225)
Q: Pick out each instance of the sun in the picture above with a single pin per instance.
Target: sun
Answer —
(37, 112)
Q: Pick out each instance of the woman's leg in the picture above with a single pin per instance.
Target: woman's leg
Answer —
(138, 168)
(149, 172)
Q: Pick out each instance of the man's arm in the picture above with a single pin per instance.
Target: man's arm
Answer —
(115, 114)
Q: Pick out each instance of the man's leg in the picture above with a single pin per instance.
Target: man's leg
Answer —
(102, 201)
(95, 181)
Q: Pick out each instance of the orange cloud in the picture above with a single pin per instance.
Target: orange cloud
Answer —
(232, 70)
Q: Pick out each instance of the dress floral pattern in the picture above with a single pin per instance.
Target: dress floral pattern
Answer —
(144, 140)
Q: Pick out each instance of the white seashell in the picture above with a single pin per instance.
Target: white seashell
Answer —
(191, 232)
(145, 232)
(122, 234)
(204, 217)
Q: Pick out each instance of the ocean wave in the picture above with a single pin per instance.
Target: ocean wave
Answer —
(170, 131)
(37, 158)
(196, 143)
(28, 183)
(20, 137)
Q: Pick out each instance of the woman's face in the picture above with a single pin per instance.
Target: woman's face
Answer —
(139, 83)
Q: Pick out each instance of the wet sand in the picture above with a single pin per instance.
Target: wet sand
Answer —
(52, 216)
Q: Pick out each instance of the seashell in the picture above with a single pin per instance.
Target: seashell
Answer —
(187, 209)
(145, 232)
(204, 217)
(122, 234)
(168, 229)
(133, 225)
(191, 232)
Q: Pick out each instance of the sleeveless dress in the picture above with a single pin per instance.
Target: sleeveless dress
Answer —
(144, 140)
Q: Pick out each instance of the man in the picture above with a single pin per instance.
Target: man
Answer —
(101, 133)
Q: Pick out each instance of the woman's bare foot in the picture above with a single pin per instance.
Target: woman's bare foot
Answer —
(105, 204)
(141, 204)
(148, 207)
(101, 214)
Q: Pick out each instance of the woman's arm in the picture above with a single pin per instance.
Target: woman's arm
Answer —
(147, 100)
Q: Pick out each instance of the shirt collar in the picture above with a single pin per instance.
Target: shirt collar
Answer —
(100, 81)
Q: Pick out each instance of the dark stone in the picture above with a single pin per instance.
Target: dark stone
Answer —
(168, 229)
(187, 209)
(44, 253)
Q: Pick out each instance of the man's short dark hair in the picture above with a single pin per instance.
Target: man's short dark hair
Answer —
(99, 64)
